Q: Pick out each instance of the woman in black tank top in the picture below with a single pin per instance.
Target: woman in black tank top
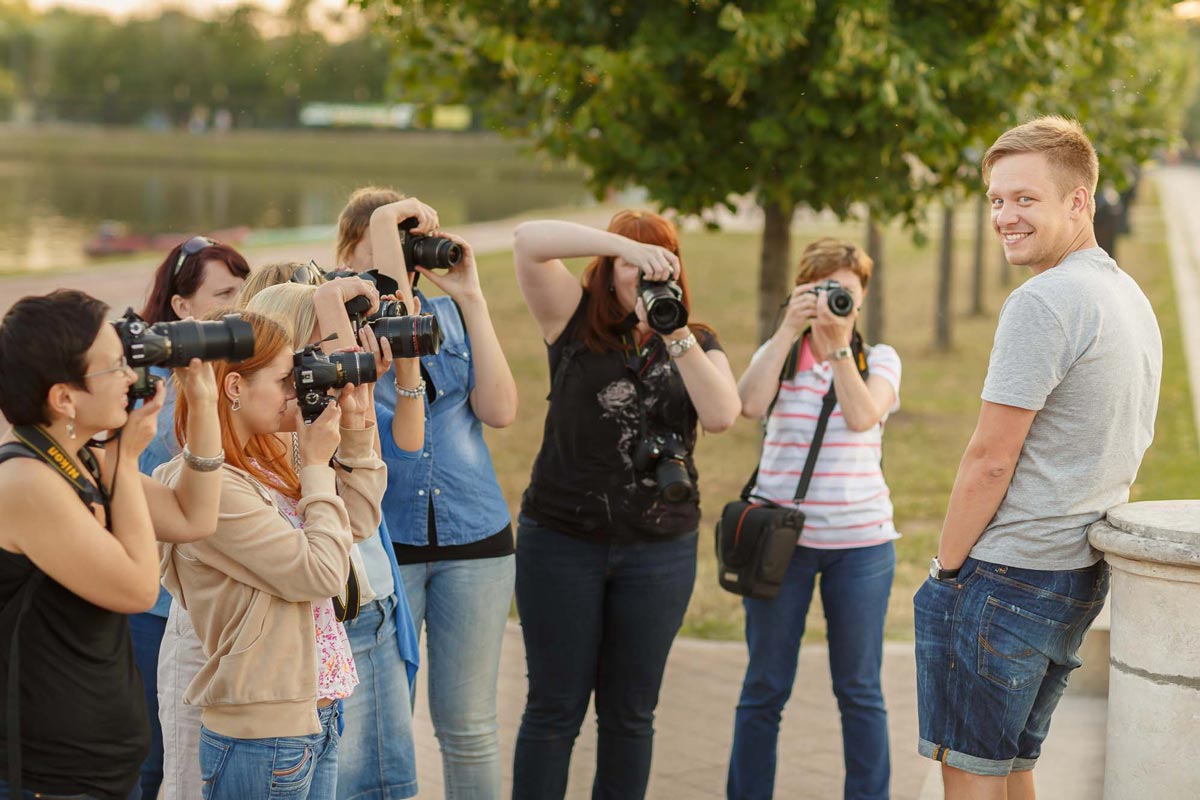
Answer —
(77, 548)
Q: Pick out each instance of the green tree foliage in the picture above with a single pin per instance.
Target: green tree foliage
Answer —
(79, 67)
(824, 104)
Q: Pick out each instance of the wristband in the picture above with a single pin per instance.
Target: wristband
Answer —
(203, 464)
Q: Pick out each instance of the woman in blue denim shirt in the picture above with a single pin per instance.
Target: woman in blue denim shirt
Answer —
(447, 516)
(199, 276)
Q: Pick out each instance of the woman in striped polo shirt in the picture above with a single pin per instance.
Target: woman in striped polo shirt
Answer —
(848, 533)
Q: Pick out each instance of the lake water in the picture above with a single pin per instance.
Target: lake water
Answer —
(50, 205)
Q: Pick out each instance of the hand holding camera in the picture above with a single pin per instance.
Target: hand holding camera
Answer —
(142, 423)
(198, 383)
(407, 335)
(425, 216)
(836, 313)
(319, 438)
(461, 281)
(316, 373)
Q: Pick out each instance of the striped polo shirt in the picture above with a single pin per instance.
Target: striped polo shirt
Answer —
(848, 502)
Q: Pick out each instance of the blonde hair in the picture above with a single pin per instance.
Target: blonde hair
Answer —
(356, 217)
(1065, 146)
(826, 256)
(270, 275)
(291, 305)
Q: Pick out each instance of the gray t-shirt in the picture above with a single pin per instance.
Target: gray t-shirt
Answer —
(1079, 345)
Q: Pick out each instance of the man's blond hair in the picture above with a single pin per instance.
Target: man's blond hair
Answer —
(1065, 146)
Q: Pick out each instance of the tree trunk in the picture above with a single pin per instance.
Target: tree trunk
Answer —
(875, 316)
(1005, 270)
(774, 266)
(977, 275)
(945, 278)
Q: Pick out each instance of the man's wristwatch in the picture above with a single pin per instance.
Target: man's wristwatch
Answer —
(938, 573)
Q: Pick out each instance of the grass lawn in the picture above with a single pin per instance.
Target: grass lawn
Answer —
(939, 394)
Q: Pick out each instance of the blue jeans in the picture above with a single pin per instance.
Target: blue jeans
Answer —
(375, 758)
(596, 616)
(995, 647)
(146, 631)
(463, 606)
(293, 767)
(855, 584)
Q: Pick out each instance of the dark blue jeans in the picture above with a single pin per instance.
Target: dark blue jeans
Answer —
(599, 617)
(147, 633)
(855, 584)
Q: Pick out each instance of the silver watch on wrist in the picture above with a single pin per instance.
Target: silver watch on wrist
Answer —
(841, 353)
(939, 573)
(677, 347)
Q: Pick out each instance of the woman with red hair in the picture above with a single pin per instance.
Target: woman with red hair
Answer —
(606, 544)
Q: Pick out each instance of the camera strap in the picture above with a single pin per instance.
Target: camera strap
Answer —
(44, 447)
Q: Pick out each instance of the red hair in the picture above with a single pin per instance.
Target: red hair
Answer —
(604, 312)
(264, 449)
(167, 284)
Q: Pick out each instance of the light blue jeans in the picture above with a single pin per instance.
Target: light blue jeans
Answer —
(376, 759)
(293, 767)
(463, 606)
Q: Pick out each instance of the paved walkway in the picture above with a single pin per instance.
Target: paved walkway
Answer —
(1179, 188)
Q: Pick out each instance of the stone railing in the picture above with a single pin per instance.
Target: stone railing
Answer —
(1154, 673)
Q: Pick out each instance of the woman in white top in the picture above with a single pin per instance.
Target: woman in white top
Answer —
(848, 529)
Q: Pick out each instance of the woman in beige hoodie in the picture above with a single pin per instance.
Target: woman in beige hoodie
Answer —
(258, 591)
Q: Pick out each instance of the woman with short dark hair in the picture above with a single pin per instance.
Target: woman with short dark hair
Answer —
(77, 550)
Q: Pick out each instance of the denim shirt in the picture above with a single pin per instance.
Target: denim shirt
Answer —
(162, 448)
(453, 467)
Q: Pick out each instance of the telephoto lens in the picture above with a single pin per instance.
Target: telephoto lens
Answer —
(315, 373)
(175, 344)
(410, 336)
(665, 311)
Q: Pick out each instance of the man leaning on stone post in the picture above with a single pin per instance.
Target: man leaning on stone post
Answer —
(1068, 411)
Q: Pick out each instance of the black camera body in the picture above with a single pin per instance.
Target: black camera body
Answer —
(410, 335)
(665, 311)
(840, 301)
(315, 373)
(175, 344)
(666, 454)
(431, 252)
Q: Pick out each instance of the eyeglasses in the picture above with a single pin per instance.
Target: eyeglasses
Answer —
(124, 365)
(190, 248)
(308, 274)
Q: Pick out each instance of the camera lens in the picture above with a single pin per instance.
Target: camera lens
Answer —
(841, 302)
(665, 311)
(228, 339)
(434, 252)
(410, 336)
(673, 481)
(356, 368)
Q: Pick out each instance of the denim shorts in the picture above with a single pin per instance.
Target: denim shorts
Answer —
(995, 647)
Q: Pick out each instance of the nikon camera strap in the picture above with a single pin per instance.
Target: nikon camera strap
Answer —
(33, 442)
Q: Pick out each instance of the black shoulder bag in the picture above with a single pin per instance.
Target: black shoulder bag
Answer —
(755, 536)
(34, 443)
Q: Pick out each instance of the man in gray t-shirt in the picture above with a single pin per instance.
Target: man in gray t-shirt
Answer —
(1079, 345)
(1068, 412)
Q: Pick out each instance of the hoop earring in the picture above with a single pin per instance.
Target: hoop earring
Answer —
(237, 404)
(71, 427)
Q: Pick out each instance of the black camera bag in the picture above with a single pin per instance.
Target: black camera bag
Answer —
(756, 537)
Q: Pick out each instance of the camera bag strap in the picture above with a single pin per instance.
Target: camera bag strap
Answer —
(34, 443)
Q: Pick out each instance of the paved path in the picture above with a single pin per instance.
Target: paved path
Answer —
(695, 725)
(1179, 187)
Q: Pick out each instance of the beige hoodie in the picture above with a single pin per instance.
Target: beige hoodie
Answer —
(249, 588)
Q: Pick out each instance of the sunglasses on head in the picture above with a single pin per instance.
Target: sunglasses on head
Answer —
(190, 248)
(307, 274)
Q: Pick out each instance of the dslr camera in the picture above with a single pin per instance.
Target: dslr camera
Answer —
(431, 252)
(667, 456)
(175, 344)
(315, 373)
(841, 302)
(410, 335)
(665, 311)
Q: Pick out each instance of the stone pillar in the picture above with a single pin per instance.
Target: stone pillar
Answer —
(1154, 674)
